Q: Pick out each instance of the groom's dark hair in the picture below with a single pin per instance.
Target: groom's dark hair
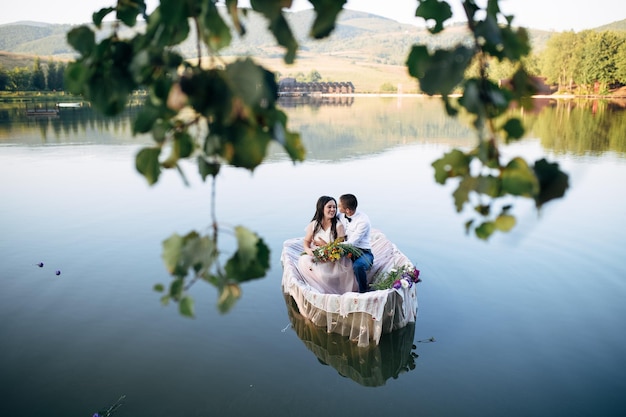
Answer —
(349, 201)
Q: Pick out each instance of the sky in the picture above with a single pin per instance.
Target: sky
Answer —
(555, 15)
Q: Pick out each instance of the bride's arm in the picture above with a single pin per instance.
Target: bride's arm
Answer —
(308, 239)
(341, 232)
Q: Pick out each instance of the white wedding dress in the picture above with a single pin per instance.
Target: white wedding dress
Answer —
(327, 277)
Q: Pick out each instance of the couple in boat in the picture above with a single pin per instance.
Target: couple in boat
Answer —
(337, 222)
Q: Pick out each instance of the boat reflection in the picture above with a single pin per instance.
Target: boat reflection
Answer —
(371, 366)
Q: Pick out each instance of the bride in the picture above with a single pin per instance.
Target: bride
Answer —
(327, 277)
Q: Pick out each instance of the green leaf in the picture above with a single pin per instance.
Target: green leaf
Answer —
(505, 222)
(488, 185)
(243, 145)
(523, 84)
(229, 294)
(472, 97)
(199, 252)
(147, 163)
(159, 287)
(439, 11)
(172, 250)
(160, 129)
(516, 43)
(98, 16)
(453, 164)
(209, 93)
(176, 288)
(462, 192)
(294, 146)
(279, 27)
(485, 230)
(325, 17)
(440, 72)
(252, 83)
(184, 144)
(231, 6)
(127, 11)
(76, 76)
(553, 182)
(251, 259)
(514, 129)
(519, 179)
(182, 147)
(146, 118)
(418, 61)
(488, 153)
(207, 168)
(247, 244)
(484, 98)
(489, 32)
(215, 32)
(82, 39)
(191, 251)
(483, 209)
(169, 23)
(186, 306)
(284, 37)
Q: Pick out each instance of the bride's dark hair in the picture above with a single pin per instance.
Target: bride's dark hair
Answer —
(319, 216)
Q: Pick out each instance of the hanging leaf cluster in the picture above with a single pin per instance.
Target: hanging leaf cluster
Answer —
(483, 178)
(212, 111)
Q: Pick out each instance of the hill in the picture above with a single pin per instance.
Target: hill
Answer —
(367, 49)
(619, 25)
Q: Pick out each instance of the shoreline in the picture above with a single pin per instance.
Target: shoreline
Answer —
(422, 95)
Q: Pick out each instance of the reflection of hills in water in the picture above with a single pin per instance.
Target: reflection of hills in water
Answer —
(371, 366)
(352, 128)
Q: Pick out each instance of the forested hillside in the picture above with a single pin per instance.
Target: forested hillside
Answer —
(365, 49)
(35, 38)
(360, 36)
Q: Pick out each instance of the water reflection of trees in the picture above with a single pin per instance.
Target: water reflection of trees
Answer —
(580, 127)
(367, 126)
(68, 125)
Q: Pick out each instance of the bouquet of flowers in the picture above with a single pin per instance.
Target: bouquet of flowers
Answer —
(401, 277)
(336, 250)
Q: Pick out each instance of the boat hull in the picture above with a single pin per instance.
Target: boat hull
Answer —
(361, 317)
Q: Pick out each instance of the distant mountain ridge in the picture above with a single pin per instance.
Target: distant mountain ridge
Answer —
(367, 50)
(358, 36)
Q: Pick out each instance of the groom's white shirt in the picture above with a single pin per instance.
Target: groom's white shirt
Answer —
(357, 230)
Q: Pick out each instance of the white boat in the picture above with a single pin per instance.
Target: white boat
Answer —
(69, 105)
(363, 317)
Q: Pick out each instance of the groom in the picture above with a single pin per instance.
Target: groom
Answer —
(358, 227)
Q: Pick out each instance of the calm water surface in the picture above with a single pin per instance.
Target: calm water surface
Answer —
(530, 323)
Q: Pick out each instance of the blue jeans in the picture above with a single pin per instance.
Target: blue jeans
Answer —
(361, 265)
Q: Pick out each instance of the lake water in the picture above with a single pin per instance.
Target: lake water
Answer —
(528, 323)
